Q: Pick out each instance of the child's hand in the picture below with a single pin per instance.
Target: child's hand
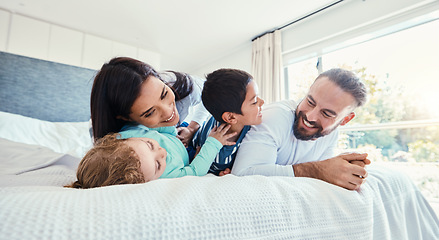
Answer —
(220, 134)
(225, 172)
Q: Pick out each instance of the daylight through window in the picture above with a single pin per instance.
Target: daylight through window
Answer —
(399, 126)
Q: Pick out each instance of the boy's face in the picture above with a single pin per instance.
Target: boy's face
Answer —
(251, 107)
(152, 157)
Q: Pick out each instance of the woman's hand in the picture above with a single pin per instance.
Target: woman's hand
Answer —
(185, 134)
(220, 134)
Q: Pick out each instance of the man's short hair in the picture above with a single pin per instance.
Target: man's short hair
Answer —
(349, 82)
(225, 91)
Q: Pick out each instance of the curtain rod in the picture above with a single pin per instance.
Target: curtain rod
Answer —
(297, 20)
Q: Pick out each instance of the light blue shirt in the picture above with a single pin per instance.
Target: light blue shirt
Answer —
(177, 159)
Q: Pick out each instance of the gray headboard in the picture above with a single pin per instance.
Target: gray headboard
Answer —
(44, 90)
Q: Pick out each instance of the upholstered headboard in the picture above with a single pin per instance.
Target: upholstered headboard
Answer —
(44, 90)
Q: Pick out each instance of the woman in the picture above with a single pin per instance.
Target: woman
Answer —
(118, 85)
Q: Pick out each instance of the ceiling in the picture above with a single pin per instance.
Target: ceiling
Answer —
(187, 34)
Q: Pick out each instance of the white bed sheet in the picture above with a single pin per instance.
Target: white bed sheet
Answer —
(33, 205)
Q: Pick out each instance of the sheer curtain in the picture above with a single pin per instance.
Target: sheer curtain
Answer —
(267, 68)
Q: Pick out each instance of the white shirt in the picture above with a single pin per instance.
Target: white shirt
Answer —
(271, 148)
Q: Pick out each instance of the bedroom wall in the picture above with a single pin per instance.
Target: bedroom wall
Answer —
(34, 38)
(237, 59)
(344, 21)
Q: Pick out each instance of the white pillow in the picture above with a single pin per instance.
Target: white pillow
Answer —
(64, 137)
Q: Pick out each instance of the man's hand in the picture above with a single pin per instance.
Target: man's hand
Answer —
(360, 163)
(345, 170)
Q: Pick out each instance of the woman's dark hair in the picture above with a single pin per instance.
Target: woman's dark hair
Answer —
(116, 87)
(183, 85)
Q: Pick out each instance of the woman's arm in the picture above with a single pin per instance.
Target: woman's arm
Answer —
(199, 112)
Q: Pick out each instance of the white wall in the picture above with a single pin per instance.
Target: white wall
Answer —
(30, 37)
(349, 19)
(240, 59)
(4, 27)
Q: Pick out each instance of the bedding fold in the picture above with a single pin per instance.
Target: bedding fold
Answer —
(17, 158)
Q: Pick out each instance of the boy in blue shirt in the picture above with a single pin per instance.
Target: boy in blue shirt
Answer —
(231, 96)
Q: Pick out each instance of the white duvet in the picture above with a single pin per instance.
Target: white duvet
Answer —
(33, 205)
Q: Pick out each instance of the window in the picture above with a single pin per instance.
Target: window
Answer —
(399, 126)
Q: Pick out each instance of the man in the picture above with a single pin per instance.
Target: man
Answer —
(301, 141)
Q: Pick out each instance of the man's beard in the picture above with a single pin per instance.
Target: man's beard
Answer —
(299, 134)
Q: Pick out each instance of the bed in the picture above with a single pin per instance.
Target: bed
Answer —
(45, 130)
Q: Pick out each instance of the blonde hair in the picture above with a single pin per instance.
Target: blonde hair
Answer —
(111, 161)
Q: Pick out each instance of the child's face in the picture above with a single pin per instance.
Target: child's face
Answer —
(152, 157)
(155, 106)
(251, 107)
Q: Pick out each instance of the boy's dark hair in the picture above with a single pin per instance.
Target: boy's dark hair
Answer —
(224, 91)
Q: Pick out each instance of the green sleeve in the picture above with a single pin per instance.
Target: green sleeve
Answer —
(201, 163)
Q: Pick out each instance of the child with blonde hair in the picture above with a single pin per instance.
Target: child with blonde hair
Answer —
(122, 159)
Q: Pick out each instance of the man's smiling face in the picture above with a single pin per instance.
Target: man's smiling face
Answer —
(325, 107)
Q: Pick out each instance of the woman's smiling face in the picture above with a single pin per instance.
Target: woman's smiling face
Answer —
(155, 106)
